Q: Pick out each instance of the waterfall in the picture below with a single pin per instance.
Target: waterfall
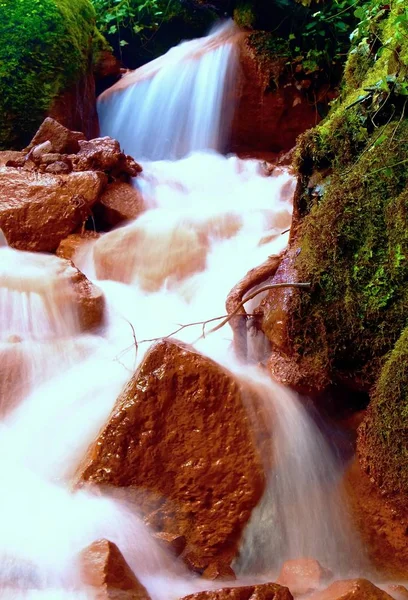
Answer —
(178, 103)
(210, 219)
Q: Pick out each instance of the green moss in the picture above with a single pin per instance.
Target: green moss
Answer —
(245, 14)
(353, 238)
(45, 46)
(384, 434)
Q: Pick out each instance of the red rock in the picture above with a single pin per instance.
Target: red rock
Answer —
(104, 154)
(383, 527)
(119, 202)
(351, 589)
(11, 156)
(397, 591)
(89, 299)
(266, 119)
(102, 566)
(263, 591)
(71, 244)
(62, 140)
(181, 432)
(39, 210)
(303, 575)
(217, 571)
(171, 541)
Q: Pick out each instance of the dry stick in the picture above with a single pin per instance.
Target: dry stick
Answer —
(225, 318)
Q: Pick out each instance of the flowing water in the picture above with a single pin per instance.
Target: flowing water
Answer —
(209, 219)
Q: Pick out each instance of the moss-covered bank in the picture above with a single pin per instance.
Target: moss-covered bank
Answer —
(350, 240)
(45, 46)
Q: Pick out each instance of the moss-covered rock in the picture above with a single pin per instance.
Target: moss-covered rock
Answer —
(353, 233)
(383, 436)
(46, 46)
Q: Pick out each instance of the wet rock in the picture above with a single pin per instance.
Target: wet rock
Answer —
(263, 591)
(219, 571)
(351, 589)
(71, 244)
(90, 301)
(36, 153)
(38, 210)
(172, 542)
(397, 591)
(62, 140)
(11, 156)
(180, 431)
(58, 167)
(104, 154)
(119, 202)
(383, 527)
(102, 566)
(303, 575)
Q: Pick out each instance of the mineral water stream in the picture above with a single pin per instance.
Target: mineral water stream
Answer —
(209, 219)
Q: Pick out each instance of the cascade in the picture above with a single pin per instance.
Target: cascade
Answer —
(209, 219)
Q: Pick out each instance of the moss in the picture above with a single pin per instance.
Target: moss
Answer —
(384, 434)
(45, 46)
(354, 232)
(245, 14)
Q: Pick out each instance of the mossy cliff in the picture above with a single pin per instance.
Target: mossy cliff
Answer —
(46, 46)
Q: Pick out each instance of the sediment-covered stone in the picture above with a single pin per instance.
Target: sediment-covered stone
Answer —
(263, 591)
(38, 210)
(303, 575)
(181, 431)
(102, 566)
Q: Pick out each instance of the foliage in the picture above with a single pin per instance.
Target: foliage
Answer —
(45, 45)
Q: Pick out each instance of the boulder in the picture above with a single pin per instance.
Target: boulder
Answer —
(89, 299)
(119, 202)
(303, 575)
(171, 541)
(263, 591)
(63, 140)
(38, 210)
(181, 432)
(104, 154)
(351, 589)
(102, 566)
(383, 527)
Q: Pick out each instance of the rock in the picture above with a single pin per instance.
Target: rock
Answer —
(63, 140)
(71, 244)
(90, 301)
(58, 167)
(102, 566)
(173, 542)
(11, 158)
(104, 154)
(119, 202)
(398, 592)
(263, 591)
(268, 119)
(39, 210)
(37, 151)
(303, 575)
(351, 589)
(383, 527)
(181, 431)
(219, 571)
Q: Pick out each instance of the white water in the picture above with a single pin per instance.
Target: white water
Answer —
(210, 219)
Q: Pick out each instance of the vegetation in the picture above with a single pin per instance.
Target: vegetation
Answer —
(46, 45)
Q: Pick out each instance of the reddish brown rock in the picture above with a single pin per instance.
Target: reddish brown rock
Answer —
(119, 202)
(71, 244)
(38, 210)
(303, 575)
(11, 156)
(219, 571)
(397, 591)
(171, 541)
(269, 119)
(90, 301)
(181, 432)
(263, 591)
(383, 527)
(104, 154)
(351, 589)
(63, 140)
(102, 566)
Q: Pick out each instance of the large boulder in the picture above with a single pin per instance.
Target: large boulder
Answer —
(263, 591)
(103, 567)
(46, 61)
(303, 575)
(182, 433)
(38, 210)
(119, 202)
